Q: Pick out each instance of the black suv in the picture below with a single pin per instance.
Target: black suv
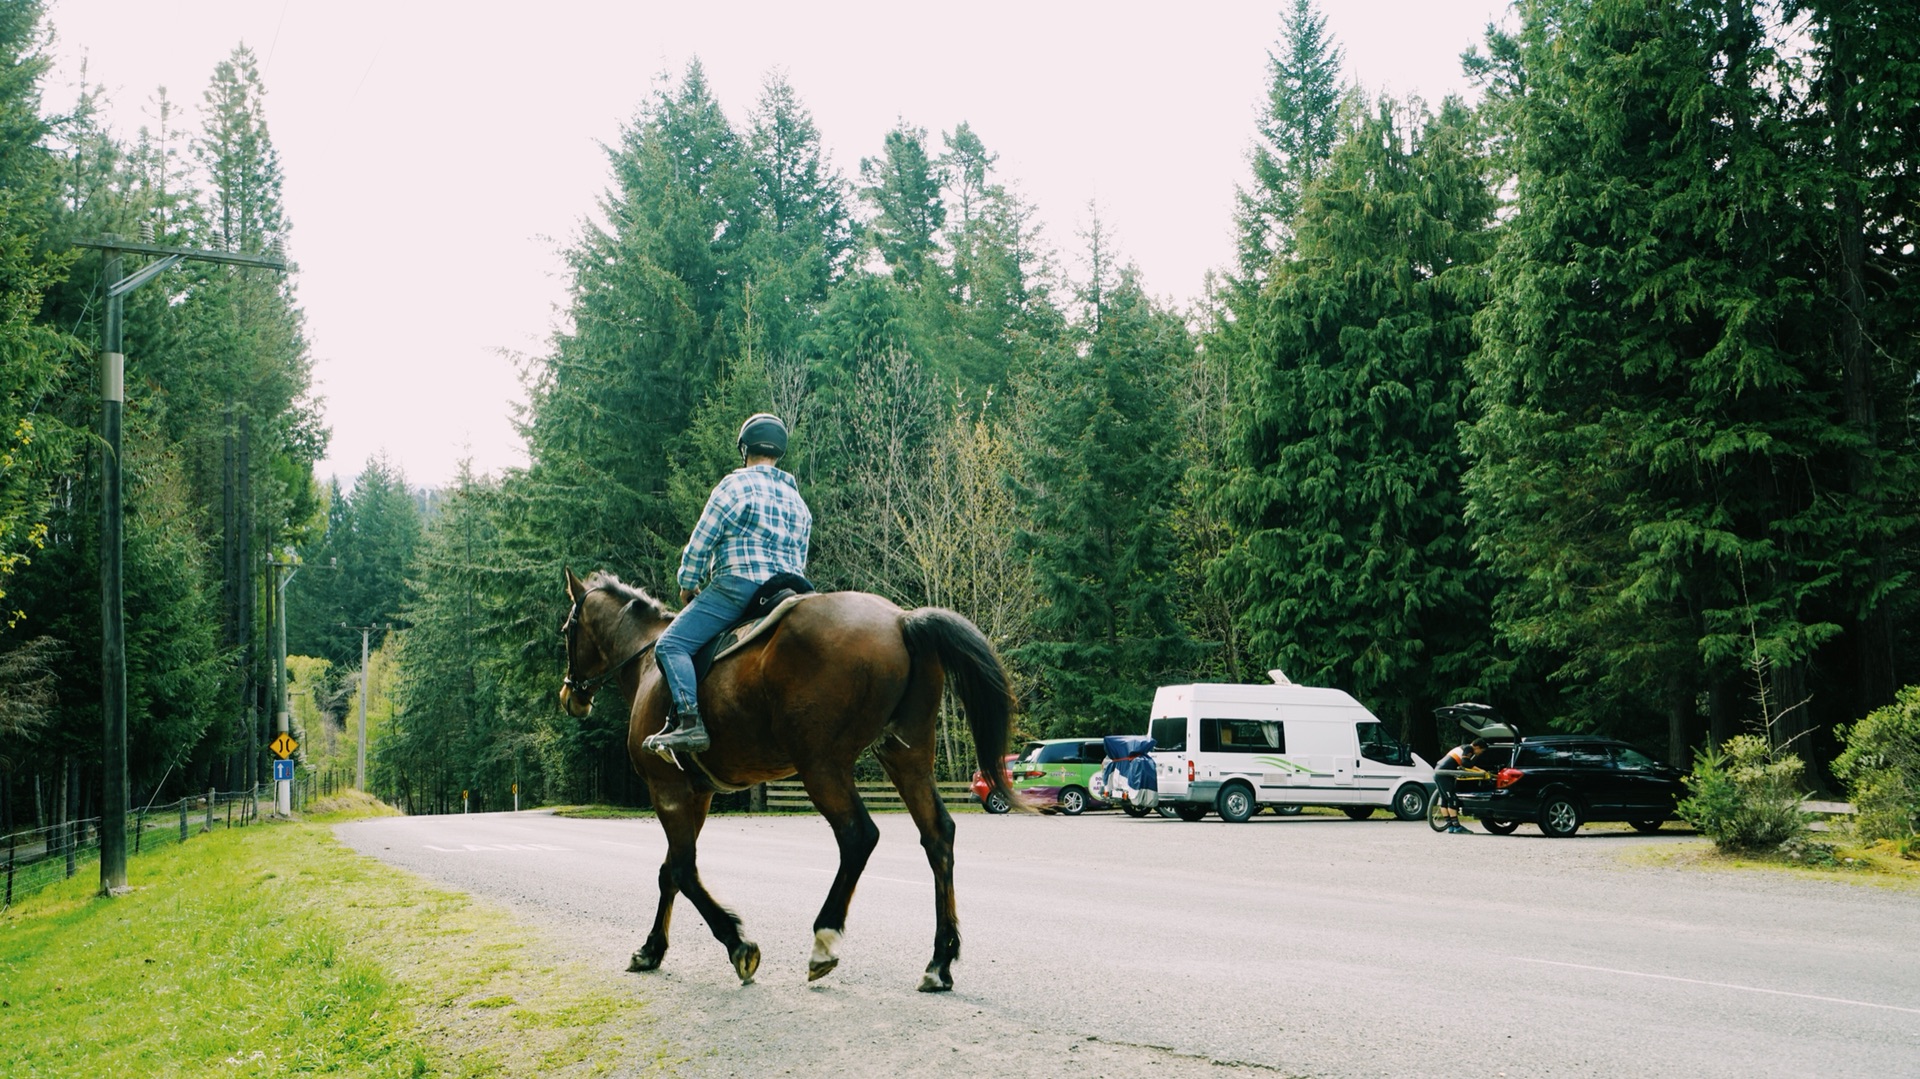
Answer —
(1561, 781)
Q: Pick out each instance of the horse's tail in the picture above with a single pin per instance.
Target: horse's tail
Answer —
(978, 680)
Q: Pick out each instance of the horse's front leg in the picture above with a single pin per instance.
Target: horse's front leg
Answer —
(681, 816)
(837, 799)
(655, 949)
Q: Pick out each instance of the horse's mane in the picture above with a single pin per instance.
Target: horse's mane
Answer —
(602, 581)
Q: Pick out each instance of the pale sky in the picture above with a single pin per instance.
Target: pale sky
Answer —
(440, 157)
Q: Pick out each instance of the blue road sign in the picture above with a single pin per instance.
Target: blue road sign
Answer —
(283, 769)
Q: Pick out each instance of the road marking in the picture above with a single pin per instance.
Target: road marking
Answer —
(1722, 985)
(864, 877)
(468, 847)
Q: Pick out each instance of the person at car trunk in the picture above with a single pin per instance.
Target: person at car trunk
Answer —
(1458, 758)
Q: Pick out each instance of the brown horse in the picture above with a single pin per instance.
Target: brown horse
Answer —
(841, 672)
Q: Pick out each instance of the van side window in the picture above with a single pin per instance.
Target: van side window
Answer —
(1058, 753)
(1242, 736)
(1169, 734)
(1377, 745)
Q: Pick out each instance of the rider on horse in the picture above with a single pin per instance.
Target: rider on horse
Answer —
(755, 525)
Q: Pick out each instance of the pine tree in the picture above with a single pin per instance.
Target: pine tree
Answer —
(1352, 560)
(35, 443)
(1655, 464)
(1098, 438)
(903, 186)
(1297, 128)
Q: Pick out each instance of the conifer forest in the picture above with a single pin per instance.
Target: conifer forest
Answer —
(1593, 398)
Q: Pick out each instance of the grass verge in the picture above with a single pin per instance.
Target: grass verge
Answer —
(273, 950)
(1875, 864)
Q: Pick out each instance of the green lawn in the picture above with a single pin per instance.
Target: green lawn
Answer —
(273, 950)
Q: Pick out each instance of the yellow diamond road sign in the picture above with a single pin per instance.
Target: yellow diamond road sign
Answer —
(283, 746)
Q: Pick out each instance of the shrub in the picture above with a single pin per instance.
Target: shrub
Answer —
(1882, 768)
(1746, 795)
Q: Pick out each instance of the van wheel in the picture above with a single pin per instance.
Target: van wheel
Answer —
(1410, 802)
(1134, 810)
(1167, 810)
(1234, 803)
(1190, 811)
(1285, 810)
(1357, 812)
(1559, 816)
(1646, 827)
(1073, 801)
(1499, 827)
(996, 802)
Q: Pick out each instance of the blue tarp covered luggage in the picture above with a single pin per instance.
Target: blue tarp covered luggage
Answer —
(1130, 758)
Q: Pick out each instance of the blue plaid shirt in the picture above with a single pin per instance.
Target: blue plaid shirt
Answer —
(755, 525)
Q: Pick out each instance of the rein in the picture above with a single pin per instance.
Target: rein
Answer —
(590, 685)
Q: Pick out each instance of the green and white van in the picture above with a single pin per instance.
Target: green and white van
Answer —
(1231, 749)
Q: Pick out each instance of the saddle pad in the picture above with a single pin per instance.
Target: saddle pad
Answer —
(742, 635)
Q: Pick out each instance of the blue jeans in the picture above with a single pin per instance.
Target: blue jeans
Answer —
(718, 606)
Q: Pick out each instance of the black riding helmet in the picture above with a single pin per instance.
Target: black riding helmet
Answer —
(763, 435)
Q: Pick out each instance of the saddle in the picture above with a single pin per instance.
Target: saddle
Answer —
(769, 603)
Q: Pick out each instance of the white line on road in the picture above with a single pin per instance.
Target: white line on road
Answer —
(1721, 985)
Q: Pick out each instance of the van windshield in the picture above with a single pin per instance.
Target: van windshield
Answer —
(1169, 734)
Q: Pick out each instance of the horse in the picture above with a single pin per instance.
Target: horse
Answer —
(842, 671)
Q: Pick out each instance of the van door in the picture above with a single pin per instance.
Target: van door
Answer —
(1169, 734)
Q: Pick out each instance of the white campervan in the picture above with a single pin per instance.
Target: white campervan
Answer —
(1235, 748)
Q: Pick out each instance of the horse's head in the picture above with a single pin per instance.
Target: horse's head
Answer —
(609, 626)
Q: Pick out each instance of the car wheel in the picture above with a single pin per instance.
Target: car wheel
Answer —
(1357, 812)
(995, 802)
(1410, 801)
(1073, 801)
(1647, 827)
(1167, 810)
(1189, 811)
(1559, 816)
(1285, 811)
(1234, 803)
(1500, 827)
(1132, 810)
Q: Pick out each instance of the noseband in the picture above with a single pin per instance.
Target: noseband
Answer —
(587, 686)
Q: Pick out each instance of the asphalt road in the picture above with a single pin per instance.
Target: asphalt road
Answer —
(1314, 946)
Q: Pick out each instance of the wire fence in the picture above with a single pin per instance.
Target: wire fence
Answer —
(37, 858)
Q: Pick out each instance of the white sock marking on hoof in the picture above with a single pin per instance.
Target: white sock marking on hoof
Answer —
(825, 941)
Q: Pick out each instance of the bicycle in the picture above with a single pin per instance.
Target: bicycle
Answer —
(1444, 798)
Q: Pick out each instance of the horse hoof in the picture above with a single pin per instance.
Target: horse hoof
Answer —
(644, 962)
(746, 960)
(935, 983)
(823, 959)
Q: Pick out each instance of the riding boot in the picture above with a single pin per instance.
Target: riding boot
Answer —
(690, 736)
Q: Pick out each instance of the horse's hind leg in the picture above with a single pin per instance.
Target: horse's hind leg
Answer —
(681, 818)
(838, 800)
(912, 773)
(655, 949)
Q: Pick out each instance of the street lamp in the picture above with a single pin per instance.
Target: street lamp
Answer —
(360, 761)
(114, 797)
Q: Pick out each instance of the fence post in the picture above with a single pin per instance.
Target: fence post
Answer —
(211, 796)
(183, 818)
(9, 871)
(139, 826)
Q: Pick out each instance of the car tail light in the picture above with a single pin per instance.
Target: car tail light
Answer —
(1507, 777)
(1189, 770)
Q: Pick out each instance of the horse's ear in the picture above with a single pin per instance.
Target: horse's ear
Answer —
(575, 589)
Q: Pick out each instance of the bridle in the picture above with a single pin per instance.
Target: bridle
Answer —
(586, 686)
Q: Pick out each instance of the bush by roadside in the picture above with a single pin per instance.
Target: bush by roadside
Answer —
(1745, 795)
(1881, 766)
